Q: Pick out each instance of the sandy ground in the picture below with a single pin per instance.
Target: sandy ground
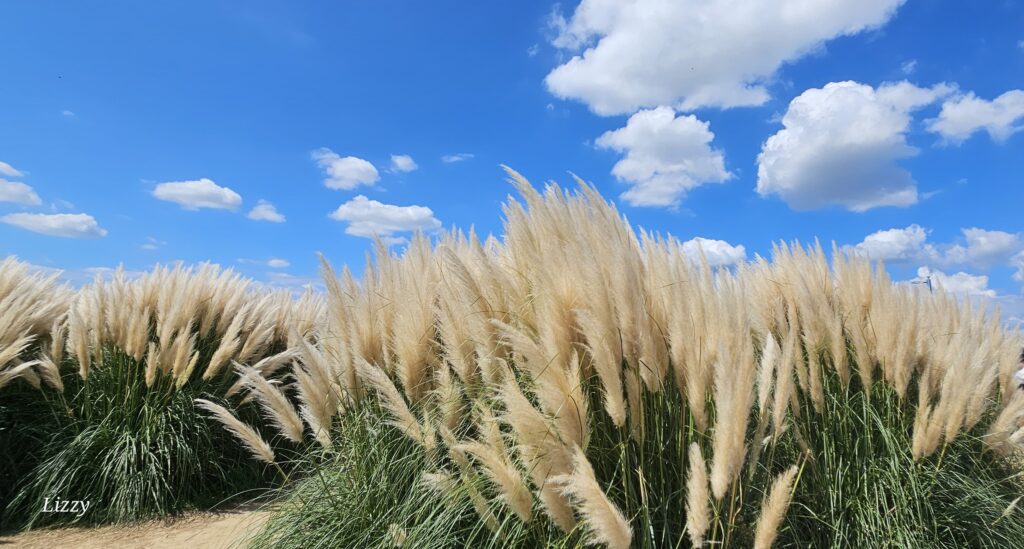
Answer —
(198, 531)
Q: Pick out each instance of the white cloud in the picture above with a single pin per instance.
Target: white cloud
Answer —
(457, 157)
(840, 146)
(68, 114)
(344, 173)
(693, 53)
(201, 193)
(61, 205)
(367, 218)
(908, 67)
(959, 283)
(18, 193)
(1017, 262)
(963, 115)
(403, 163)
(984, 248)
(273, 262)
(153, 244)
(265, 211)
(893, 244)
(8, 170)
(62, 225)
(717, 252)
(1011, 308)
(297, 284)
(665, 156)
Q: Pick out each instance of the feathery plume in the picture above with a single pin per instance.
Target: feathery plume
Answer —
(276, 407)
(698, 512)
(773, 509)
(247, 435)
(605, 523)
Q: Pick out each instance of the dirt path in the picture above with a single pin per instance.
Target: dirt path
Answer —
(198, 531)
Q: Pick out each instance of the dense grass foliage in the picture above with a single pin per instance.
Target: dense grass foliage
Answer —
(373, 492)
(133, 451)
(858, 486)
(862, 487)
(599, 387)
(569, 383)
(98, 401)
(26, 423)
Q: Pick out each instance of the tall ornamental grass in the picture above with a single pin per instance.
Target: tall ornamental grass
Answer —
(574, 382)
(32, 307)
(103, 407)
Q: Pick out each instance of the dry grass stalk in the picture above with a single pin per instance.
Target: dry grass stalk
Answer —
(698, 511)
(773, 509)
(247, 435)
(605, 523)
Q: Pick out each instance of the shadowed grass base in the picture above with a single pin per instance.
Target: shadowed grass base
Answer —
(134, 452)
(863, 488)
(858, 485)
(26, 423)
(369, 494)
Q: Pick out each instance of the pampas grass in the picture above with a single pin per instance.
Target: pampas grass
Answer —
(774, 509)
(604, 521)
(697, 507)
(613, 361)
(245, 434)
(98, 397)
(632, 392)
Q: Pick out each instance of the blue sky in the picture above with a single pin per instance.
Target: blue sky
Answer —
(143, 132)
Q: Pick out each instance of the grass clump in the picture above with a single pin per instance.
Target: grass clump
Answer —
(104, 407)
(570, 383)
(590, 385)
(132, 451)
(863, 487)
(376, 490)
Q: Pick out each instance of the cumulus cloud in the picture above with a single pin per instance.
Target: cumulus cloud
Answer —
(964, 115)
(344, 173)
(1017, 262)
(984, 248)
(18, 193)
(403, 163)
(893, 244)
(840, 145)
(201, 193)
(665, 156)
(693, 53)
(979, 249)
(718, 252)
(296, 284)
(8, 170)
(959, 283)
(367, 218)
(457, 157)
(265, 211)
(273, 262)
(153, 244)
(62, 225)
